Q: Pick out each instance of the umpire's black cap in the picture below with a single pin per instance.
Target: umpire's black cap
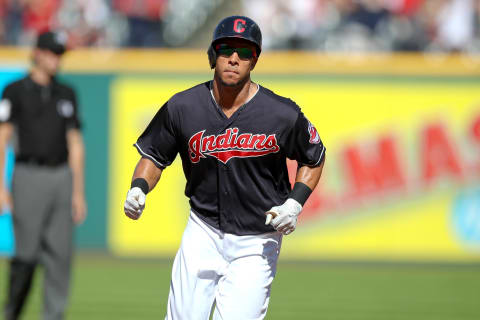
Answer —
(55, 42)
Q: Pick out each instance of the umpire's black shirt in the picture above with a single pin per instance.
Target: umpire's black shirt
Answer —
(41, 115)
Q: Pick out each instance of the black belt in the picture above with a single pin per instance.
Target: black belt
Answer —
(39, 161)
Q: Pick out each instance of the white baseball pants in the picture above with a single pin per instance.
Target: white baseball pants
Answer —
(234, 272)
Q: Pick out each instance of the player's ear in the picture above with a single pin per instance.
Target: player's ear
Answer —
(254, 63)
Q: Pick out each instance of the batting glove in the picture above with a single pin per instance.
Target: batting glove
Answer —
(135, 203)
(284, 218)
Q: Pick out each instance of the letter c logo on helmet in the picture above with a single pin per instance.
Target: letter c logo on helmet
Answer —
(239, 25)
(235, 27)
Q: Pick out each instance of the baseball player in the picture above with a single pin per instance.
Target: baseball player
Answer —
(233, 137)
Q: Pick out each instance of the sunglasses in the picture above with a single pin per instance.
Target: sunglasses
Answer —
(243, 53)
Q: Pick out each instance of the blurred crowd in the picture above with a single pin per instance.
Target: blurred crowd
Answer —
(107, 23)
(369, 25)
(325, 25)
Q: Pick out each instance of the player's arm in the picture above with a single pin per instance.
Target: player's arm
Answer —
(284, 218)
(148, 171)
(76, 161)
(309, 176)
(305, 146)
(6, 130)
(145, 178)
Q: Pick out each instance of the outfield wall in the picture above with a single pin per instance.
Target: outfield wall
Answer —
(402, 177)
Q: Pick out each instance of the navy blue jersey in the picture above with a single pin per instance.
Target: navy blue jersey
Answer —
(235, 167)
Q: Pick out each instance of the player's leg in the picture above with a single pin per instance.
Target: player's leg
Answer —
(244, 291)
(29, 211)
(57, 245)
(195, 273)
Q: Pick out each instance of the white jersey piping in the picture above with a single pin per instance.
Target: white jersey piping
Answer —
(149, 156)
(321, 156)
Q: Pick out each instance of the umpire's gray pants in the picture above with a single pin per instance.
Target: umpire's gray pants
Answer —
(43, 225)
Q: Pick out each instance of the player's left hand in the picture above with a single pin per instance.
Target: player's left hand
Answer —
(284, 218)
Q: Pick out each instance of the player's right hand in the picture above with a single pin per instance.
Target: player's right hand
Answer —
(135, 203)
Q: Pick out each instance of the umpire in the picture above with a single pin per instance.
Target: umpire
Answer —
(40, 113)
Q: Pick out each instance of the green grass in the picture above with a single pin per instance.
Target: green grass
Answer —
(111, 288)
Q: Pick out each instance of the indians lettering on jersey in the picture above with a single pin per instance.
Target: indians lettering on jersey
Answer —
(230, 145)
(314, 137)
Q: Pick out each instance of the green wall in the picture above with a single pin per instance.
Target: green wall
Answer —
(93, 92)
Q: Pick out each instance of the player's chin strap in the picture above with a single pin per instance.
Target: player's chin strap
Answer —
(212, 56)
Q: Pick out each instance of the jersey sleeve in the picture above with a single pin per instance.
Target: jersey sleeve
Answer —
(73, 121)
(9, 105)
(158, 142)
(304, 144)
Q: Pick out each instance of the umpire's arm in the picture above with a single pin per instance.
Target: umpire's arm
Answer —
(76, 161)
(6, 131)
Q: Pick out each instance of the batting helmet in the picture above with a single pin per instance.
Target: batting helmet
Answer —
(235, 27)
